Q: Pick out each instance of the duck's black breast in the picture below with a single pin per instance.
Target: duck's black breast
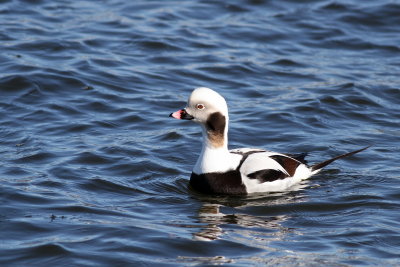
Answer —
(218, 183)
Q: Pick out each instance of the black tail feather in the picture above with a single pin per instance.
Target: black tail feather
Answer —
(326, 162)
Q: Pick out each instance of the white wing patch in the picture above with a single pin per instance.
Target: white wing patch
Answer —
(260, 161)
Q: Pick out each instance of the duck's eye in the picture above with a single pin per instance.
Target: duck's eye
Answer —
(200, 106)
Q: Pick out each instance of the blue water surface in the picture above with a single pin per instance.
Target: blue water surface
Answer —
(94, 173)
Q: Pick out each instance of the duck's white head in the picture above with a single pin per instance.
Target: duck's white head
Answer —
(209, 109)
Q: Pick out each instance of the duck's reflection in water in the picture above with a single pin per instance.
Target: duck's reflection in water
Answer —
(266, 213)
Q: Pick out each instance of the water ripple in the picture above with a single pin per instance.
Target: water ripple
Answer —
(94, 173)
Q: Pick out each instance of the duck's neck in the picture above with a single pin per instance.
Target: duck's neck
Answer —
(215, 131)
(214, 156)
(215, 141)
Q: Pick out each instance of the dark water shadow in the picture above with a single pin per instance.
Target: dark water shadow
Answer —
(265, 212)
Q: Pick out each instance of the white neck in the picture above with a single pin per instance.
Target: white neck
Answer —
(212, 158)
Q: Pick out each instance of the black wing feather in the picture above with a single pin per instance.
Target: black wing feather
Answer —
(267, 175)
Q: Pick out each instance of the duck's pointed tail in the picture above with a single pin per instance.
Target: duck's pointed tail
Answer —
(317, 167)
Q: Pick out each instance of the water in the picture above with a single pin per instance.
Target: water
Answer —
(94, 173)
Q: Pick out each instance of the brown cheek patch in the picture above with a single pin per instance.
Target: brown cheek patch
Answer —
(216, 124)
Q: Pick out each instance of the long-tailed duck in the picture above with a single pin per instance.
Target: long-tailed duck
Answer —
(238, 171)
